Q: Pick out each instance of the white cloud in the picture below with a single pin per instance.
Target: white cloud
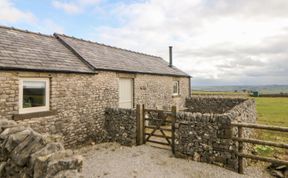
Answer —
(88, 1)
(10, 14)
(222, 40)
(74, 6)
(68, 7)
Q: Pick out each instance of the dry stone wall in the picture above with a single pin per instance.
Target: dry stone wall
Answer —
(203, 138)
(206, 137)
(121, 125)
(212, 104)
(26, 153)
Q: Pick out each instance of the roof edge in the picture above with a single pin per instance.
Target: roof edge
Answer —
(89, 65)
(91, 73)
(44, 70)
(26, 31)
(147, 73)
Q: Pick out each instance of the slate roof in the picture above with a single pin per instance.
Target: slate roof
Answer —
(23, 50)
(31, 51)
(104, 57)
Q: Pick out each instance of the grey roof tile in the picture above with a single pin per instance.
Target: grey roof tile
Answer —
(32, 51)
(26, 50)
(111, 58)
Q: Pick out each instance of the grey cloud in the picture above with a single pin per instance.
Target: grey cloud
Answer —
(213, 58)
(247, 8)
(242, 62)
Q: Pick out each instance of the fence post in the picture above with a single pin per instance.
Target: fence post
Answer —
(174, 109)
(143, 124)
(240, 151)
(138, 125)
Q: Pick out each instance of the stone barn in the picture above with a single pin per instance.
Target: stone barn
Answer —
(62, 85)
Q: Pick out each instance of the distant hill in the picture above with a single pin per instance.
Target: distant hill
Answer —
(264, 89)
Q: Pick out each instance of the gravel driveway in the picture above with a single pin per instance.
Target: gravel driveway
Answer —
(115, 161)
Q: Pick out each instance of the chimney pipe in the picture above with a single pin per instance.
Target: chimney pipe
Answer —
(170, 56)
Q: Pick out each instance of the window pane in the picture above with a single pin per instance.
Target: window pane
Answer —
(33, 93)
(175, 87)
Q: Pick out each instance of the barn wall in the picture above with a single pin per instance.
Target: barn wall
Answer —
(77, 104)
(78, 101)
(156, 91)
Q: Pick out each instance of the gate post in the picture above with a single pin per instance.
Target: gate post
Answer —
(140, 137)
(174, 109)
(138, 125)
(143, 124)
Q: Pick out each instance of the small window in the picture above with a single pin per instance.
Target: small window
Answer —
(176, 88)
(33, 95)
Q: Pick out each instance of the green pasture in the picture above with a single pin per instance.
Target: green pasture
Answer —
(272, 111)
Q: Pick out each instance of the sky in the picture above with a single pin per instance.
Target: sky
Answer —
(217, 42)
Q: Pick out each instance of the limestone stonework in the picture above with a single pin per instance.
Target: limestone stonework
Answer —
(156, 91)
(26, 153)
(120, 125)
(78, 101)
(200, 134)
(211, 104)
(206, 136)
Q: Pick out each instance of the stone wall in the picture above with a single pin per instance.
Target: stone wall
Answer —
(206, 137)
(120, 125)
(244, 112)
(26, 153)
(211, 104)
(156, 91)
(78, 101)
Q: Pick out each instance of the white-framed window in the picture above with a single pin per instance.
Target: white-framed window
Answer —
(176, 90)
(33, 95)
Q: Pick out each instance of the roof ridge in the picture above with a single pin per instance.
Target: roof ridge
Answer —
(78, 55)
(102, 44)
(26, 31)
(93, 42)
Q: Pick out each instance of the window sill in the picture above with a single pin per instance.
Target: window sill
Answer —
(18, 117)
(176, 96)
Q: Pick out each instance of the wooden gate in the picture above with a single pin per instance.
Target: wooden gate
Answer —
(158, 126)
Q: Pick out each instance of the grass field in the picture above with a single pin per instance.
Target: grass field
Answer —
(196, 92)
(272, 111)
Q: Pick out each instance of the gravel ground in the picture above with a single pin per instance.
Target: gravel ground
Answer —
(115, 161)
